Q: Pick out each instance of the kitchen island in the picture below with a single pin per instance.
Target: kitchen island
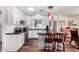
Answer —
(41, 39)
(33, 33)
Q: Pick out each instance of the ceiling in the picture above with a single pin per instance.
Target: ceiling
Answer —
(57, 10)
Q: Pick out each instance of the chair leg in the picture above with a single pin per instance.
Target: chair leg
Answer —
(63, 47)
(76, 42)
(44, 47)
(54, 48)
(50, 48)
(57, 47)
(70, 41)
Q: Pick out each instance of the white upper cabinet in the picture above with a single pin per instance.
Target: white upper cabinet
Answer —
(14, 15)
(18, 15)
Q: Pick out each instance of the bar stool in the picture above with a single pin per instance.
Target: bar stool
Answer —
(48, 46)
(74, 36)
(58, 40)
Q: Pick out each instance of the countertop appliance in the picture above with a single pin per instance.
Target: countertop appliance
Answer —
(18, 30)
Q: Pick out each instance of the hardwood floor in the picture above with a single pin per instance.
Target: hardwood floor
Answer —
(30, 48)
(34, 47)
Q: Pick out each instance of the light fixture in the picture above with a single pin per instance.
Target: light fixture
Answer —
(31, 9)
(50, 7)
(38, 18)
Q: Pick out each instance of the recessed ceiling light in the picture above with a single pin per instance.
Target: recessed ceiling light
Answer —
(31, 9)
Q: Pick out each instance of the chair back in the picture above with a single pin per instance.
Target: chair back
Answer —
(59, 37)
(74, 33)
(49, 37)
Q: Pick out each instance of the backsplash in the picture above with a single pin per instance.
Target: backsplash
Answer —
(11, 28)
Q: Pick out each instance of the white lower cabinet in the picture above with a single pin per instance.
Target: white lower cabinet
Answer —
(21, 40)
(35, 34)
(30, 34)
(14, 42)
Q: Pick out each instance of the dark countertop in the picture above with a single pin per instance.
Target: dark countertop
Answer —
(41, 33)
(48, 33)
(13, 33)
(37, 29)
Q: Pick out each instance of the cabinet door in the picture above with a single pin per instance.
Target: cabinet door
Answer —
(12, 42)
(34, 33)
(30, 34)
(41, 39)
(21, 40)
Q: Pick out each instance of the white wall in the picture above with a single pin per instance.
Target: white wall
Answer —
(75, 19)
(3, 18)
(9, 16)
(30, 21)
(66, 21)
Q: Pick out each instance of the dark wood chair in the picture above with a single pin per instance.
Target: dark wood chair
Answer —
(48, 46)
(59, 42)
(74, 36)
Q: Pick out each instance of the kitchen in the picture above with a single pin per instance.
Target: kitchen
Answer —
(34, 29)
(22, 24)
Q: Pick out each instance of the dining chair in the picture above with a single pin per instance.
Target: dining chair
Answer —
(59, 42)
(74, 36)
(48, 46)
